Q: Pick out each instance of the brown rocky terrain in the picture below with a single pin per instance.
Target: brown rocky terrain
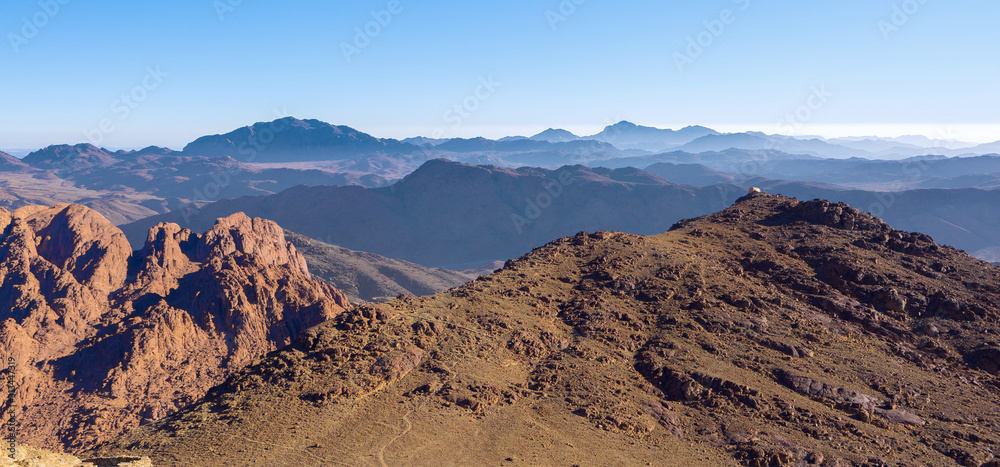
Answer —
(106, 339)
(775, 332)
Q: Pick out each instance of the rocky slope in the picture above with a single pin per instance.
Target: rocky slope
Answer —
(106, 339)
(367, 277)
(775, 332)
(9, 163)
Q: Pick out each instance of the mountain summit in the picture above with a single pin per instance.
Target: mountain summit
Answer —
(60, 157)
(627, 135)
(775, 332)
(293, 140)
(553, 135)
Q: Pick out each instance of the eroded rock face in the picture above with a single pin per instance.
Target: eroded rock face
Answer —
(105, 339)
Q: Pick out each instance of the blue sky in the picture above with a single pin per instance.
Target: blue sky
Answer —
(203, 67)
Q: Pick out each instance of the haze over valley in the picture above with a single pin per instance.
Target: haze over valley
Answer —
(465, 202)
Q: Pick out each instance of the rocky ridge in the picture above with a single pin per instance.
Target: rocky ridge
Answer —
(106, 339)
(775, 332)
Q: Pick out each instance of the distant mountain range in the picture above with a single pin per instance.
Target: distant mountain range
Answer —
(888, 175)
(449, 214)
(627, 135)
(760, 141)
(908, 140)
(307, 140)
(622, 135)
(268, 158)
(290, 140)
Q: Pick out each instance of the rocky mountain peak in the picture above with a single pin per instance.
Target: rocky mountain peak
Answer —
(239, 233)
(775, 332)
(81, 241)
(106, 338)
(757, 206)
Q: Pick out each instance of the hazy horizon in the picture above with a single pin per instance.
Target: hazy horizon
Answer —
(138, 74)
(972, 134)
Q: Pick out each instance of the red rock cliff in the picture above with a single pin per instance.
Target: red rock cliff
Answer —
(106, 339)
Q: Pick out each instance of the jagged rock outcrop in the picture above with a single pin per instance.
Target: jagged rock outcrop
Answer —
(105, 339)
(773, 333)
